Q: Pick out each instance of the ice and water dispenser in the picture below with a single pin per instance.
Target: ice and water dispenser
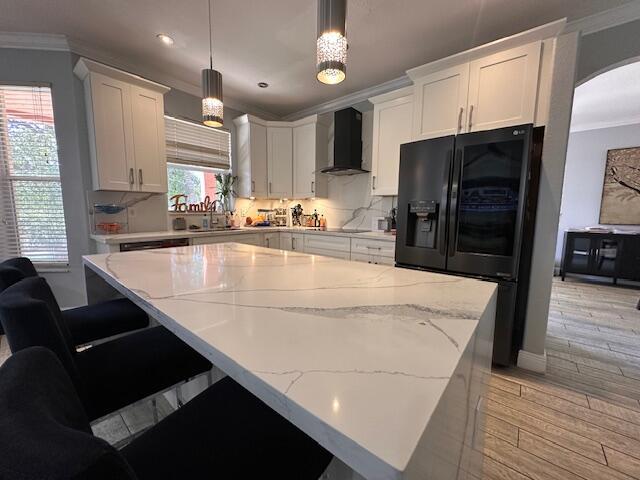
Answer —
(422, 225)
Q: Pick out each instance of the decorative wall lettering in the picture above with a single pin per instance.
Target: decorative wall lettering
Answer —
(180, 205)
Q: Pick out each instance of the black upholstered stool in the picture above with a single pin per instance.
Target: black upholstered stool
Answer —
(108, 376)
(224, 433)
(87, 323)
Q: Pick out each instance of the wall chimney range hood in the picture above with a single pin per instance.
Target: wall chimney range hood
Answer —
(347, 143)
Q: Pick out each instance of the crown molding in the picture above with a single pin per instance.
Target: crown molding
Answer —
(351, 99)
(34, 41)
(600, 125)
(607, 19)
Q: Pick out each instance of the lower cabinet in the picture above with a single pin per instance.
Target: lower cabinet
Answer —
(272, 240)
(328, 253)
(292, 241)
(375, 259)
(339, 244)
(246, 238)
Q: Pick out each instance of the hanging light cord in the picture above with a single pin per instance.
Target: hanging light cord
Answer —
(210, 40)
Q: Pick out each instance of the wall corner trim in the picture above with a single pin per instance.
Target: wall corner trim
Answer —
(34, 41)
(533, 362)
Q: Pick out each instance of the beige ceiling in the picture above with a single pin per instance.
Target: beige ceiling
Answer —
(274, 40)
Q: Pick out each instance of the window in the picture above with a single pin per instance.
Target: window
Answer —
(31, 213)
(195, 153)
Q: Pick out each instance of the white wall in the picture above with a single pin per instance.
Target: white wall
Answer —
(584, 175)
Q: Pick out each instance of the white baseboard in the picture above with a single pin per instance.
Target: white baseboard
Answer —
(532, 361)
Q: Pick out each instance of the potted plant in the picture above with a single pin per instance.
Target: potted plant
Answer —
(225, 191)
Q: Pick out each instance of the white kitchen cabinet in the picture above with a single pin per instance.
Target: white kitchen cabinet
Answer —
(366, 246)
(246, 238)
(392, 125)
(503, 88)
(440, 102)
(147, 107)
(251, 156)
(310, 154)
(125, 118)
(285, 241)
(316, 241)
(292, 241)
(280, 162)
(272, 240)
(371, 258)
(328, 253)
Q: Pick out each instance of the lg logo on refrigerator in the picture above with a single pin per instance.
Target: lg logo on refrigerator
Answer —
(519, 132)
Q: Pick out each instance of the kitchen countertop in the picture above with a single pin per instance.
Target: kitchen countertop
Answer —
(373, 362)
(169, 234)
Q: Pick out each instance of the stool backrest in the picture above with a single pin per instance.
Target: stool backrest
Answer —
(44, 430)
(30, 317)
(23, 264)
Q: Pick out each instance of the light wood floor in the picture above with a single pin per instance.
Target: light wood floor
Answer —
(582, 419)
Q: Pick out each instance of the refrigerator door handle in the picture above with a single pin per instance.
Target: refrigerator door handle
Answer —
(453, 209)
(442, 240)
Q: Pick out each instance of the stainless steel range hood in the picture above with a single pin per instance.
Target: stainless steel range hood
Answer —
(347, 144)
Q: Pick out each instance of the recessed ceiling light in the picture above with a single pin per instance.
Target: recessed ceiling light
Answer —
(263, 84)
(166, 39)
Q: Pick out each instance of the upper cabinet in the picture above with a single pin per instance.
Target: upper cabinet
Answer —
(392, 126)
(310, 154)
(251, 156)
(281, 159)
(125, 118)
(503, 88)
(280, 162)
(487, 92)
(441, 102)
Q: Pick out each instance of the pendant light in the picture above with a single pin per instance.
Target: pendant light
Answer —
(331, 41)
(212, 106)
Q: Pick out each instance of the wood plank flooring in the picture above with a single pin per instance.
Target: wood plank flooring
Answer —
(581, 420)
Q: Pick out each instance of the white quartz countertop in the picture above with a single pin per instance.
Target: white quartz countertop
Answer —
(171, 234)
(356, 355)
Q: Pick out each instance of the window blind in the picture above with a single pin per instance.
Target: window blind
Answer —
(191, 144)
(31, 212)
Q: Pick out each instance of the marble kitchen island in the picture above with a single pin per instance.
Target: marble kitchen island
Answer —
(382, 366)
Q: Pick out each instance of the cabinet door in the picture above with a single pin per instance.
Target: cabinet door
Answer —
(110, 102)
(149, 140)
(392, 123)
(272, 240)
(297, 242)
(280, 162)
(285, 241)
(304, 161)
(578, 253)
(503, 88)
(258, 160)
(440, 100)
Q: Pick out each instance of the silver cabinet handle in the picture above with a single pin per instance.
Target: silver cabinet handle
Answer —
(373, 248)
(293, 243)
(131, 181)
(460, 119)
(269, 188)
(470, 117)
(140, 176)
(373, 182)
(267, 240)
(253, 186)
(313, 184)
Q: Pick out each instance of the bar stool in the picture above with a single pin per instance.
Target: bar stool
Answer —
(108, 376)
(223, 433)
(87, 323)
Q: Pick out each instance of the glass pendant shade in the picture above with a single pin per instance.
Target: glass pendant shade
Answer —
(331, 59)
(212, 106)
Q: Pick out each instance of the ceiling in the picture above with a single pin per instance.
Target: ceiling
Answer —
(610, 99)
(274, 41)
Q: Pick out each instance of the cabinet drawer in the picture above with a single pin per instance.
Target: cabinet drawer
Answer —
(373, 247)
(249, 239)
(327, 242)
(328, 253)
(375, 259)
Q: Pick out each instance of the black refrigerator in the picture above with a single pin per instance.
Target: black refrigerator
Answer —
(466, 206)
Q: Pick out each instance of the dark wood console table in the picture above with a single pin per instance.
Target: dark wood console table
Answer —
(612, 255)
